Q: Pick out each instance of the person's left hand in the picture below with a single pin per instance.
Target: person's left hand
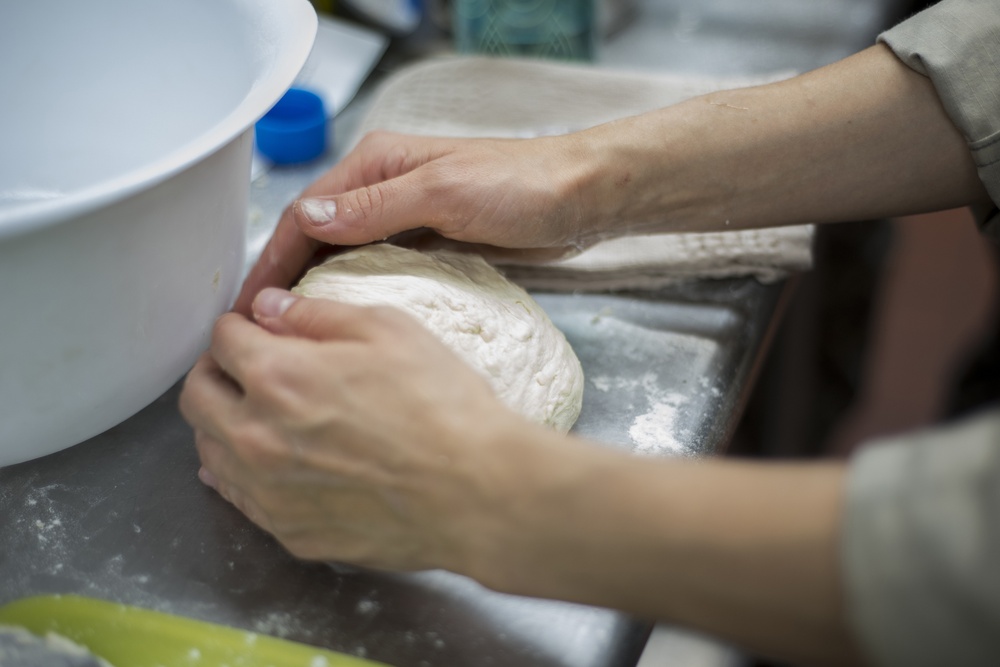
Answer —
(349, 433)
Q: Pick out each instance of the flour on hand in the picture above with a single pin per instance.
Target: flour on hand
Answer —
(491, 323)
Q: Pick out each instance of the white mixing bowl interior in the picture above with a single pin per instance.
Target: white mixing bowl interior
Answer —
(103, 97)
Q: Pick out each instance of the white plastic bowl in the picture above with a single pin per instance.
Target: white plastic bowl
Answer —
(125, 147)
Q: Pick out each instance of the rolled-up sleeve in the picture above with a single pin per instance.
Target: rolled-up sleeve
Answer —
(921, 530)
(956, 43)
(921, 546)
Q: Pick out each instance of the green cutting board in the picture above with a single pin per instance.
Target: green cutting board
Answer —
(132, 637)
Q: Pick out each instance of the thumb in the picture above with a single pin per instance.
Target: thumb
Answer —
(371, 213)
(287, 314)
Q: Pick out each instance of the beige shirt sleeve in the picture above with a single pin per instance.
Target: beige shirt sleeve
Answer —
(921, 546)
(921, 532)
(957, 44)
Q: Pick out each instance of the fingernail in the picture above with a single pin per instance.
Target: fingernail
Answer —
(207, 478)
(318, 211)
(272, 302)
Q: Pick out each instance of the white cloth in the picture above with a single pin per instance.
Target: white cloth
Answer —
(504, 97)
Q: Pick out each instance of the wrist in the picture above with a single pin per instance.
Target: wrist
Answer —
(530, 537)
(651, 173)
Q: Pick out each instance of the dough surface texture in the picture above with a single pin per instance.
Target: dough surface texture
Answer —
(491, 323)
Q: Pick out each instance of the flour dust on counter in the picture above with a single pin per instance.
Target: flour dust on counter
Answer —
(51, 524)
(657, 405)
(658, 428)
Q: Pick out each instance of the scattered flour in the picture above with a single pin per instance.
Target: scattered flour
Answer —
(714, 391)
(602, 383)
(284, 625)
(367, 606)
(656, 430)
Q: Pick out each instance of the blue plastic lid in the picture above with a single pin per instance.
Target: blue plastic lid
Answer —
(294, 130)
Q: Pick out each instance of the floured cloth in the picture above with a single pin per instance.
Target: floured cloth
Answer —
(505, 97)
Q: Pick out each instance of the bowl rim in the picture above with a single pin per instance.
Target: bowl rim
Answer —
(294, 37)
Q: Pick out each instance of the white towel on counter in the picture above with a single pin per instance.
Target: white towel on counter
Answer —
(505, 97)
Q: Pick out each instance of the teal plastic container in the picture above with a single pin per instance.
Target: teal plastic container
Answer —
(557, 29)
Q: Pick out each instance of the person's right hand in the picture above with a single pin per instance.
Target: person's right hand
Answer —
(519, 199)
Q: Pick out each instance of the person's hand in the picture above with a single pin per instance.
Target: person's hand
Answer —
(516, 199)
(350, 433)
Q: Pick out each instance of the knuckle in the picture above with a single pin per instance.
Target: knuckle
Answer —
(439, 176)
(367, 202)
(312, 315)
(397, 161)
(449, 214)
(257, 447)
(264, 457)
(275, 388)
(261, 371)
(380, 137)
(218, 330)
(371, 137)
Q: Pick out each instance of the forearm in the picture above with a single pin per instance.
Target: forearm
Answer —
(741, 551)
(863, 138)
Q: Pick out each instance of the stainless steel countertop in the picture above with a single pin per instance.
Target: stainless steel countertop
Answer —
(123, 516)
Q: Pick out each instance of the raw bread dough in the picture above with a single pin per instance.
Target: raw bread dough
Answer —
(491, 323)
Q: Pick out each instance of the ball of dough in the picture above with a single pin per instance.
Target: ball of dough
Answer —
(491, 323)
